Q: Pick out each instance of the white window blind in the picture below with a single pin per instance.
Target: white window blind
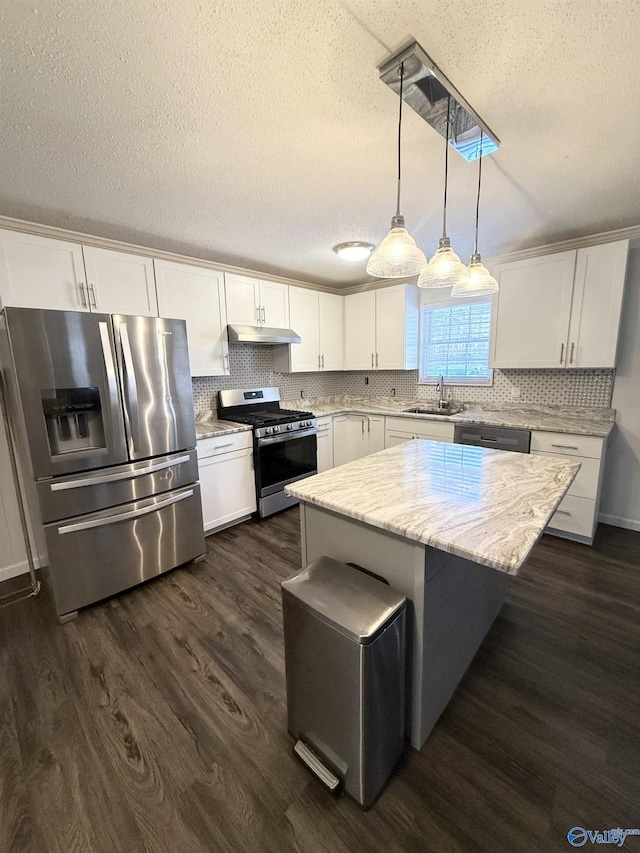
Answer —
(455, 343)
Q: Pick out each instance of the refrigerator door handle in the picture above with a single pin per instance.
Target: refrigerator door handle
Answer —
(121, 475)
(130, 388)
(123, 516)
(109, 364)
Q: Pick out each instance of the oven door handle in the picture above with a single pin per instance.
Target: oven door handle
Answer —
(287, 436)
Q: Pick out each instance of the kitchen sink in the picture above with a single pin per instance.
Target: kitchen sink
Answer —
(420, 410)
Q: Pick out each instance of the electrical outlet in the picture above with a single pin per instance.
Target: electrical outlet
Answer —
(515, 392)
(366, 380)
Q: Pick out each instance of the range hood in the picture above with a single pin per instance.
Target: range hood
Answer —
(261, 335)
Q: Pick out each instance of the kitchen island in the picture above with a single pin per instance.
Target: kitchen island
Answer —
(445, 524)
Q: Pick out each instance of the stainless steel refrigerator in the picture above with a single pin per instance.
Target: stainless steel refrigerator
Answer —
(102, 408)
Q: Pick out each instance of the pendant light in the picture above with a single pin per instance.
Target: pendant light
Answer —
(445, 269)
(397, 256)
(481, 282)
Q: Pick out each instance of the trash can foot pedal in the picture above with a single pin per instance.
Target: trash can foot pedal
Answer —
(316, 766)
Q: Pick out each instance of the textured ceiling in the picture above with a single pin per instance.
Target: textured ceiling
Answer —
(258, 133)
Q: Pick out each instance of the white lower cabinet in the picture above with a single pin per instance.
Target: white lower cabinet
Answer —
(325, 444)
(577, 515)
(227, 484)
(355, 436)
(404, 429)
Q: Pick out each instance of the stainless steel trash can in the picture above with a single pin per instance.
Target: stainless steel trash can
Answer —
(344, 635)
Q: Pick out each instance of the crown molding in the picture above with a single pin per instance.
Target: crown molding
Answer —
(632, 234)
(25, 227)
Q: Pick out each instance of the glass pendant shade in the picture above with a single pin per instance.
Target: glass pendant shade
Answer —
(480, 281)
(445, 269)
(397, 256)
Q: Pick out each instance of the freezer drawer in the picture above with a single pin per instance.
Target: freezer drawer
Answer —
(98, 555)
(65, 497)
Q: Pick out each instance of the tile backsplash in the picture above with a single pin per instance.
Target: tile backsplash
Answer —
(252, 366)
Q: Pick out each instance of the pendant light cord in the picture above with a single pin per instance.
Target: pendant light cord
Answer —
(446, 169)
(475, 245)
(400, 138)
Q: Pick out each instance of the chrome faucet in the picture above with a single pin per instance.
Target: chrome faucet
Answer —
(442, 402)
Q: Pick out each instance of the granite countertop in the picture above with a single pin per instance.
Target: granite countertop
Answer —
(574, 420)
(208, 426)
(484, 505)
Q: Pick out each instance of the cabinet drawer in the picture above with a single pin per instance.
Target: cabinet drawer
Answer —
(585, 484)
(574, 515)
(441, 430)
(207, 447)
(324, 424)
(567, 445)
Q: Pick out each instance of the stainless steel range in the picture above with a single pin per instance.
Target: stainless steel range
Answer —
(102, 411)
(284, 442)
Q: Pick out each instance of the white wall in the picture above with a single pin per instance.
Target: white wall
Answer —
(621, 491)
(13, 556)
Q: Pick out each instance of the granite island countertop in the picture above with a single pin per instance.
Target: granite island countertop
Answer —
(488, 506)
(575, 420)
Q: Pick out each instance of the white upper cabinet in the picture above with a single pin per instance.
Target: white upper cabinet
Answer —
(243, 300)
(303, 316)
(397, 327)
(560, 310)
(38, 272)
(120, 283)
(252, 302)
(331, 331)
(318, 318)
(360, 331)
(531, 312)
(596, 305)
(274, 301)
(196, 295)
(381, 329)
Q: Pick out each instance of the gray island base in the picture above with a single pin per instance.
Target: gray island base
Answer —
(444, 524)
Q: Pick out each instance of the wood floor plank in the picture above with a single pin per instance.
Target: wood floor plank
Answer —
(157, 720)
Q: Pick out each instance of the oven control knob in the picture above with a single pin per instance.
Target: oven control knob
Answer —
(268, 430)
(276, 429)
(289, 426)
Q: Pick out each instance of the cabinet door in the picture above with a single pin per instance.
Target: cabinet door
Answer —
(530, 321)
(397, 327)
(360, 331)
(196, 295)
(392, 438)
(303, 314)
(243, 300)
(120, 283)
(348, 438)
(596, 305)
(375, 434)
(227, 487)
(274, 302)
(325, 444)
(36, 272)
(331, 322)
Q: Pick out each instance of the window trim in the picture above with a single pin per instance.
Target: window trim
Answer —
(484, 381)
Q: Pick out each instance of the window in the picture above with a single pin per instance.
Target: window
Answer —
(455, 343)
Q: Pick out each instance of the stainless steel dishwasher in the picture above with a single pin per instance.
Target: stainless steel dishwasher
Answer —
(496, 438)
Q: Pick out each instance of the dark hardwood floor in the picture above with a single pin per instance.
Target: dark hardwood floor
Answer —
(156, 721)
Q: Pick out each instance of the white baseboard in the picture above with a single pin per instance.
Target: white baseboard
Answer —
(20, 569)
(617, 521)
